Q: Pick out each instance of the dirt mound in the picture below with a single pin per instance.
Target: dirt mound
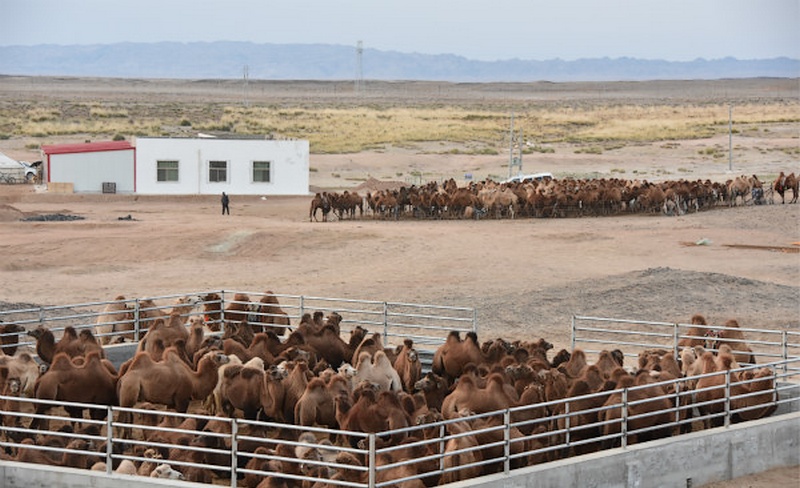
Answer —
(655, 294)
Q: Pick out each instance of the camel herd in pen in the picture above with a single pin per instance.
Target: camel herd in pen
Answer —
(262, 367)
(550, 197)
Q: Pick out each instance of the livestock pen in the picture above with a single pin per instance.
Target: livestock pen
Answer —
(549, 440)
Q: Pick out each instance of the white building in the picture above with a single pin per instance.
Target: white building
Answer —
(176, 166)
(92, 167)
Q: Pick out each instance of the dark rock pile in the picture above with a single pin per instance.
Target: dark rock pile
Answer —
(52, 218)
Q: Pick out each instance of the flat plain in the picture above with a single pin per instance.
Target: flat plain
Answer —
(525, 277)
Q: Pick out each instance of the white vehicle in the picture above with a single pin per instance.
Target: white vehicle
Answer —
(531, 177)
(13, 171)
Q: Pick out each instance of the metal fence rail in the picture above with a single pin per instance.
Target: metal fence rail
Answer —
(594, 334)
(426, 325)
(208, 448)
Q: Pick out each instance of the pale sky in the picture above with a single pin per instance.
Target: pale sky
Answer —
(675, 30)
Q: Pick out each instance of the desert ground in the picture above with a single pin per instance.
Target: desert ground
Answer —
(525, 277)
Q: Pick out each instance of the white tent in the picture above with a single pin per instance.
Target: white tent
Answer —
(8, 163)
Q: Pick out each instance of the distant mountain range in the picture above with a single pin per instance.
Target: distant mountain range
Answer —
(227, 60)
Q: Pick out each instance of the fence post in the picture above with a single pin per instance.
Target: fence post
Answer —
(507, 441)
(785, 350)
(624, 417)
(137, 322)
(441, 446)
(234, 449)
(372, 461)
(475, 320)
(567, 419)
(675, 340)
(727, 398)
(385, 323)
(572, 333)
(109, 439)
(302, 305)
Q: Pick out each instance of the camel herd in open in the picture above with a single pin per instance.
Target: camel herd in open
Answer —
(307, 375)
(550, 197)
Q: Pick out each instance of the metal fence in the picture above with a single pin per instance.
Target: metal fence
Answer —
(210, 449)
(594, 334)
(426, 325)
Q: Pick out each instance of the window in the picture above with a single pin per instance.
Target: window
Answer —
(261, 171)
(166, 171)
(217, 171)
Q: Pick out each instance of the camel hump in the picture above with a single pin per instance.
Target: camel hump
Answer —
(232, 371)
(141, 360)
(248, 373)
(61, 362)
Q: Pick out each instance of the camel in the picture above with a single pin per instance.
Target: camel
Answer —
(170, 382)
(783, 183)
(316, 406)
(757, 388)
(237, 309)
(69, 459)
(647, 408)
(451, 357)
(732, 337)
(270, 312)
(408, 365)
(294, 386)
(467, 397)
(212, 311)
(116, 317)
(328, 345)
(70, 343)
(321, 201)
(252, 391)
(459, 451)
(710, 390)
(9, 338)
(213, 403)
(377, 370)
(164, 334)
(434, 388)
(695, 336)
(372, 412)
(370, 344)
(24, 369)
(165, 471)
(71, 380)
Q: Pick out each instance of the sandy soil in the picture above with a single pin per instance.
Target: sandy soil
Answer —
(525, 277)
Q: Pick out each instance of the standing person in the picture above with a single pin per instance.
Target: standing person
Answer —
(225, 201)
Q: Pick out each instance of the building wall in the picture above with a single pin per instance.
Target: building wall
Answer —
(289, 166)
(87, 171)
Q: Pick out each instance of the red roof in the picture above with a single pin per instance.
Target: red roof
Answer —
(87, 147)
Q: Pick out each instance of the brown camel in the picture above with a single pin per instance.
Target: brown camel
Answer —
(88, 380)
(451, 357)
(70, 343)
(117, 317)
(170, 382)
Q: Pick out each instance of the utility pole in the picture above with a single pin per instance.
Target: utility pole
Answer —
(245, 87)
(359, 67)
(514, 161)
(730, 138)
